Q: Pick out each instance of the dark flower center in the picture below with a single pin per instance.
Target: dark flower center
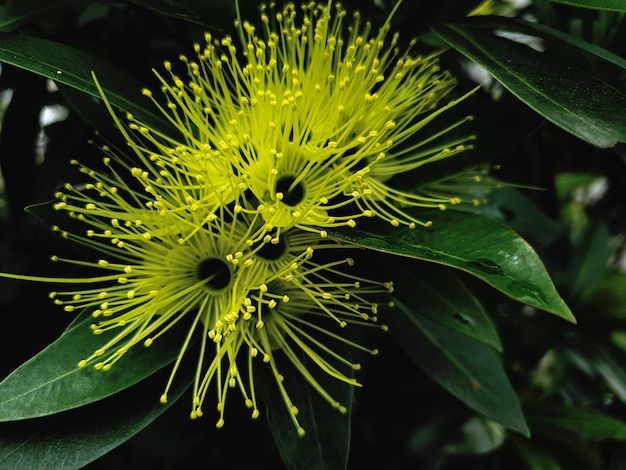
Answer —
(273, 251)
(215, 273)
(293, 194)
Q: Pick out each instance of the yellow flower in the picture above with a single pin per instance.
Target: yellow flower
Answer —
(300, 314)
(309, 116)
(278, 135)
(234, 290)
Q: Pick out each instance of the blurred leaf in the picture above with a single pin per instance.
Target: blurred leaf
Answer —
(475, 244)
(534, 457)
(71, 440)
(585, 423)
(73, 67)
(566, 95)
(326, 444)
(51, 381)
(468, 369)
(614, 5)
(568, 182)
(478, 435)
(438, 294)
(589, 260)
(607, 298)
(20, 133)
(608, 363)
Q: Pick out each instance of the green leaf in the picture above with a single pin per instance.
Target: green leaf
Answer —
(473, 243)
(487, 145)
(583, 422)
(613, 5)
(15, 14)
(73, 67)
(437, 293)
(326, 444)
(561, 41)
(590, 259)
(71, 440)
(512, 207)
(609, 364)
(195, 11)
(534, 457)
(607, 298)
(467, 368)
(570, 97)
(51, 381)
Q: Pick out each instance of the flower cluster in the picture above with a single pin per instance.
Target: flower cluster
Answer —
(291, 128)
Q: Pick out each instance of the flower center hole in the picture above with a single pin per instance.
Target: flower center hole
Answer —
(215, 273)
(273, 251)
(293, 194)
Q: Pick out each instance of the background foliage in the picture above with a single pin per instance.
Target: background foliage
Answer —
(483, 366)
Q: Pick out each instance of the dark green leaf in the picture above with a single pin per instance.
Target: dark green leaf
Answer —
(487, 145)
(517, 211)
(51, 381)
(535, 458)
(610, 366)
(326, 444)
(73, 67)
(71, 440)
(607, 298)
(568, 96)
(473, 243)
(195, 11)
(560, 41)
(437, 293)
(590, 259)
(603, 360)
(585, 423)
(467, 368)
(614, 5)
(15, 14)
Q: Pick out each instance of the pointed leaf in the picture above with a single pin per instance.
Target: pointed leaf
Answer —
(195, 11)
(51, 381)
(590, 259)
(535, 458)
(563, 93)
(468, 369)
(71, 440)
(583, 422)
(609, 364)
(512, 207)
(613, 5)
(326, 444)
(437, 293)
(607, 298)
(73, 67)
(473, 243)
(14, 14)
